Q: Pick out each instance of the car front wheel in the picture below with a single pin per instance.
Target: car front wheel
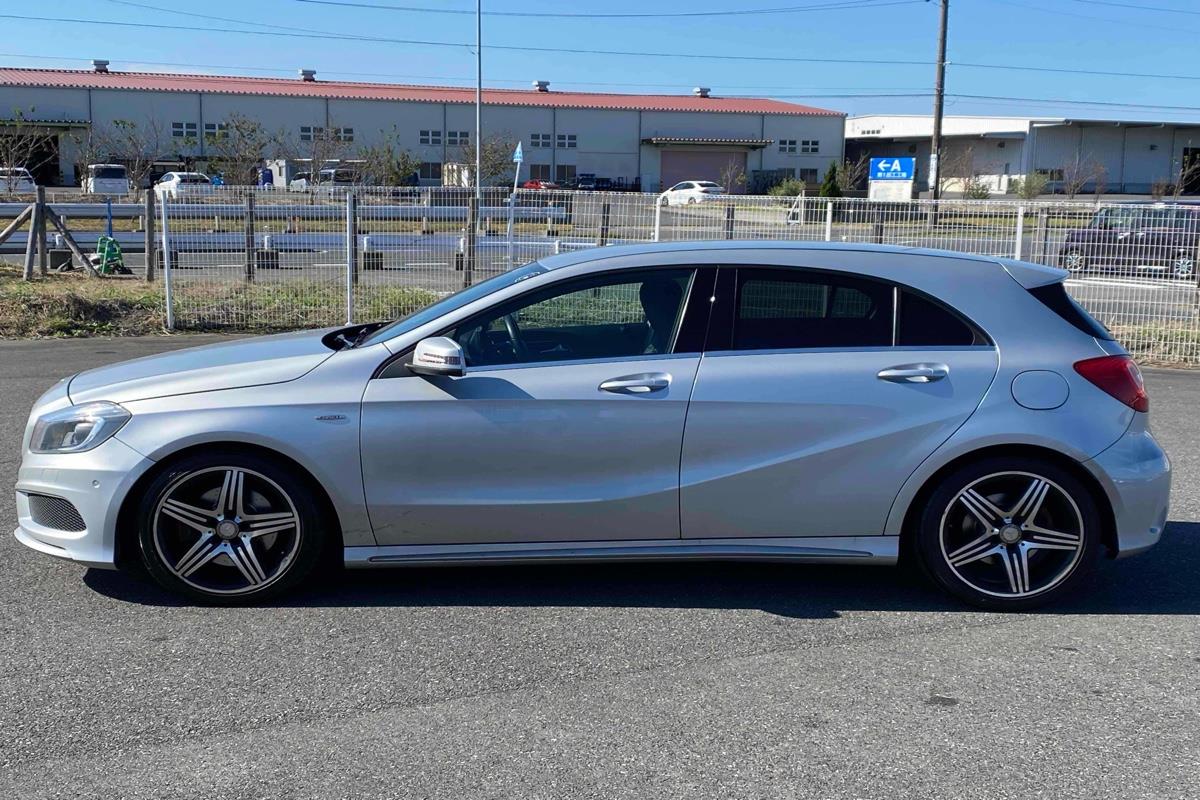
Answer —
(229, 528)
(1073, 260)
(1009, 533)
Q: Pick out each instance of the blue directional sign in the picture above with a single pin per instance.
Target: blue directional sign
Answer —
(893, 169)
(518, 156)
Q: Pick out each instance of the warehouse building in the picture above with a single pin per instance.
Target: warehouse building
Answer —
(1119, 156)
(644, 141)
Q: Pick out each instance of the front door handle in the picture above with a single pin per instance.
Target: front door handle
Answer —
(641, 383)
(914, 373)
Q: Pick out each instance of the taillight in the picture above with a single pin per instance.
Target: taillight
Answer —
(1119, 376)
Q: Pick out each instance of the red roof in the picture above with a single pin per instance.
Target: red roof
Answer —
(227, 84)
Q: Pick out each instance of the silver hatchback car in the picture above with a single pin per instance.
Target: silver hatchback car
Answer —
(736, 400)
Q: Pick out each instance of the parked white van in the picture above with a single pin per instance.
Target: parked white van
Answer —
(106, 179)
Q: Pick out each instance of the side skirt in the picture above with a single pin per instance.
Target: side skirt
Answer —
(826, 550)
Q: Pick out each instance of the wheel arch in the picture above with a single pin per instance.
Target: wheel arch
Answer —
(1108, 532)
(125, 542)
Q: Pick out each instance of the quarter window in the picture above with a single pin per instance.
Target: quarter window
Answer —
(778, 310)
(924, 322)
(606, 316)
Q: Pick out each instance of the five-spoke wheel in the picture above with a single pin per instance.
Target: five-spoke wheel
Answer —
(1008, 533)
(229, 528)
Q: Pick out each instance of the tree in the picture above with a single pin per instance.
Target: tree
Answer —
(239, 146)
(93, 145)
(732, 175)
(24, 143)
(137, 146)
(1187, 173)
(387, 163)
(829, 186)
(321, 148)
(851, 173)
(1078, 172)
(496, 164)
(1031, 186)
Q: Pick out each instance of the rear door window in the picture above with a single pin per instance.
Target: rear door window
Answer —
(791, 309)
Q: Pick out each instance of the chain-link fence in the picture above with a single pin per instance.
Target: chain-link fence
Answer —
(274, 260)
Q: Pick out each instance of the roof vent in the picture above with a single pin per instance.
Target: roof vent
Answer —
(100, 65)
(701, 91)
(308, 75)
(541, 86)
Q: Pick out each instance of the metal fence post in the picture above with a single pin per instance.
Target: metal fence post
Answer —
(148, 216)
(658, 204)
(470, 243)
(1042, 236)
(829, 221)
(166, 251)
(250, 236)
(43, 253)
(512, 207)
(351, 253)
(1018, 246)
(30, 242)
(602, 235)
(729, 221)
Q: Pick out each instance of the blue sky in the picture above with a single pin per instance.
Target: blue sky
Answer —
(1060, 34)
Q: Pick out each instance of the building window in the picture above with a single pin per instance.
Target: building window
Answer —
(183, 130)
(462, 138)
(430, 171)
(309, 133)
(539, 172)
(344, 134)
(431, 137)
(539, 140)
(564, 173)
(807, 175)
(566, 140)
(215, 130)
(809, 146)
(787, 145)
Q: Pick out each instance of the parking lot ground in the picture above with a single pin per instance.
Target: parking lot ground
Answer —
(689, 680)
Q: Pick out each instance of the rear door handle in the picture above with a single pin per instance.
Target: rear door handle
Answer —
(914, 373)
(642, 383)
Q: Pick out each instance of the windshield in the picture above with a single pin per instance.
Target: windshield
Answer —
(455, 301)
(193, 178)
(105, 173)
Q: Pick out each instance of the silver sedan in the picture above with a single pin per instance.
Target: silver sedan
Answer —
(734, 400)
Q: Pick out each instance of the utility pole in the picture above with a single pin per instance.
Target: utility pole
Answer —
(479, 103)
(939, 96)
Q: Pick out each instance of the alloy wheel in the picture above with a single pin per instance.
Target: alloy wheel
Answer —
(226, 530)
(1073, 261)
(1012, 534)
(1184, 266)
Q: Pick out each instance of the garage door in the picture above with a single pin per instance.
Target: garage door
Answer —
(700, 165)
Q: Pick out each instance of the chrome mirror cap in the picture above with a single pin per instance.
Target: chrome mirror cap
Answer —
(438, 355)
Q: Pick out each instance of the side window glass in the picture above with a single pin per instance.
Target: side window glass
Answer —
(609, 316)
(783, 309)
(923, 322)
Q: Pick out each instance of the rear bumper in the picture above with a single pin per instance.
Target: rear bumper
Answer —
(95, 483)
(1136, 475)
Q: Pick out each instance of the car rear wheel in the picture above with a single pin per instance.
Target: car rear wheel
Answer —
(229, 528)
(1009, 533)
(1183, 265)
(1073, 260)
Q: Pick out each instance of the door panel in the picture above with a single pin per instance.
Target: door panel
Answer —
(526, 454)
(814, 443)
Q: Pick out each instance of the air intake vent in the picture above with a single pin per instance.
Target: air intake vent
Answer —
(99, 65)
(308, 75)
(54, 512)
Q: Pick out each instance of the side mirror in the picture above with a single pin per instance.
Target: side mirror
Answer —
(438, 355)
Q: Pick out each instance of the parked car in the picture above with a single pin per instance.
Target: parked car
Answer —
(182, 184)
(110, 179)
(1137, 237)
(330, 178)
(585, 182)
(16, 180)
(539, 183)
(691, 192)
(844, 404)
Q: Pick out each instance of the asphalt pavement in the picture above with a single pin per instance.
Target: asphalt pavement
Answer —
(613, 681)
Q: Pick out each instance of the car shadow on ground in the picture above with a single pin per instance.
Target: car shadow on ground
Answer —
(1161, 581)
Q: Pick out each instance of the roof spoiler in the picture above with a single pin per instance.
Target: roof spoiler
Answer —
(1032, 276)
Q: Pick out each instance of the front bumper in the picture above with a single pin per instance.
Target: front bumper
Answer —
(94, 482)
(1136, 475)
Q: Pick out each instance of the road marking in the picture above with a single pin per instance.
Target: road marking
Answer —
(1145, 285)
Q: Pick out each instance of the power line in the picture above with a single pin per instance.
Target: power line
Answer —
(1163, 9)
(1077, 15)
(1069, 71)
(827, 6)
(433, 43)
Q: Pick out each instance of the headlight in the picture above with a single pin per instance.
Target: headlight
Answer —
(78, 428)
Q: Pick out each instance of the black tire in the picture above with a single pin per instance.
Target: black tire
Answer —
(1040, 566)
(281, 555)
